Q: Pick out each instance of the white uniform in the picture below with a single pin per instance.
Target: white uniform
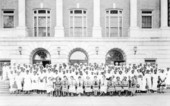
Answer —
(27, 83)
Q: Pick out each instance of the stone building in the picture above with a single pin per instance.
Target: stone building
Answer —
(92, 31)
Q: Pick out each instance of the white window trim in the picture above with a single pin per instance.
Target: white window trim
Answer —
(84, 32)
(41, 15)
(118, 15)
(9, 14)
(147, 15)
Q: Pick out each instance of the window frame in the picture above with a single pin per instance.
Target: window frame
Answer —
(8, 14)
(150, 59)
(168, 13)
(119, 16)
(145, 14)
(37, 15)
(84, 25)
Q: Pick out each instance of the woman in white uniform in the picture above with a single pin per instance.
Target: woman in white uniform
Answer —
(103, 85)
(19, 82)
(80, 84)
(72, 86)
(27, 82)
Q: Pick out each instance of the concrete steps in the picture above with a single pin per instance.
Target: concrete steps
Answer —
(4, 87)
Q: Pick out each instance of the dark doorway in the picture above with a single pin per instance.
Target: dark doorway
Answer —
(41, 56)
(115, 56)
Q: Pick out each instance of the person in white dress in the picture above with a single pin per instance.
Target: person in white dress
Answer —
(27, 82)
(72, 86)
(19, 82)
(96, 85)
(80, 84)
(88, 84)
(103, 85)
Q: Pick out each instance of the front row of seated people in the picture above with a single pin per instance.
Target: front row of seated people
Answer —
(66, 80)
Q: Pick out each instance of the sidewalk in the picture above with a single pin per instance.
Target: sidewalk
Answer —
(140, 100)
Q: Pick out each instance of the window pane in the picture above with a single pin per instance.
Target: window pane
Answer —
(35, 21)
(8, 21)
(48, 22)
(78, 32)
(48, 31)
(113, 21)
(168, 12)
(35, 32)
(9, 12)
(42, 32)
(113, 32)
(78, 11)
(41, 11)
(41, 21)
(78, 21)
(146, 22)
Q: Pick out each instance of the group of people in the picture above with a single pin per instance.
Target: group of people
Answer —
(86, 79)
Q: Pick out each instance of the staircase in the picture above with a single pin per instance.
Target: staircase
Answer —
(4, 87)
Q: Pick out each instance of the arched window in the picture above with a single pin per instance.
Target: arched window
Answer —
(42, 56)
(115, 56)
(78, 56)
(114, 23)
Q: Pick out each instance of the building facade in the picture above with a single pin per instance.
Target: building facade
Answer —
(93, 31)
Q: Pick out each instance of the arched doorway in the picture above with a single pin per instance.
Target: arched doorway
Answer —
(41, 56)
(78, 56)
(115, 56)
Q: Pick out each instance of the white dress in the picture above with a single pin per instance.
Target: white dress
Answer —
(27, 83)
(103, 86)
(72, 86)
(143, 84)
(155, 82)
(80, 86)
(19, 82)
(49, 87)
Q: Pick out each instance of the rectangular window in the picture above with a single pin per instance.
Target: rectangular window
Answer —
(42, 23)
(146, 19)
(2, 63)
(150, 61)
(169, 13)
(113, 23)
(8, 18)
(78, 23)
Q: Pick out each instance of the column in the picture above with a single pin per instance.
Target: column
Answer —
(59, 29)
(21, 18)
(164, 13)
(133, 13)
(96, 19)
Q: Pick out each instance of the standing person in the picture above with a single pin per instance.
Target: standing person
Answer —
(133, 86)
(65, 86)
(88, 85)
(155, 81)
(103, 86)
(111, 85)
(80, 84)
(50, 86)
(125, 85)
(95, 85)
(12, 82)
(72, 86)
(118, 85)
(168, 78)
(19, 82)
(57, 86)
(148, 80)
(27, 83)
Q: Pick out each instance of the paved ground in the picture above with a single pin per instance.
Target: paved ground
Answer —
(39, 100)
